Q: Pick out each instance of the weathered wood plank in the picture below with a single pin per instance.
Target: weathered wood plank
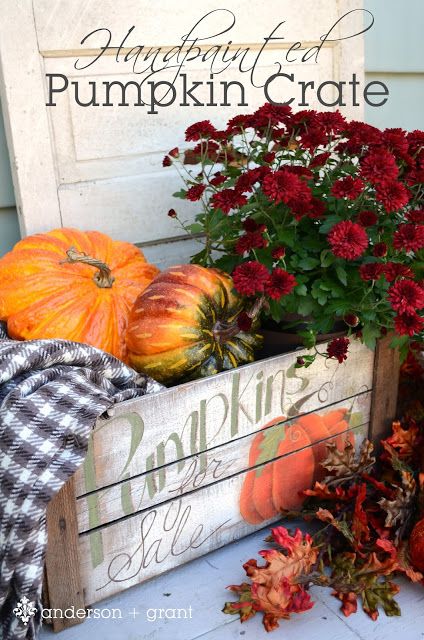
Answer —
(62, 557)
(156, 27)
(190, 418)
(25, 119)
(385, 389)
(178, 478)
(139, 547)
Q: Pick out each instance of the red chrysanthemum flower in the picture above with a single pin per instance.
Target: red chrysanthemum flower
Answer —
(302, 203)
(409, 237)
(417, 216)
(195, 192)
(379, 167)
(172, 213)
(347, 240)
(244, 321)
(228, 199)
(380, 250)
(250, 278)
(248, 179)
(238, 124)
(406, 296)
(320, 159)
(281, 186)
(269, 157)
(338, 349)
(371, 270)
(315, 209)
(174, 153)
(218, 179)
(251, 225)
(408, 324)
(393, 270)
(361, 135)
(278, 252)
(348, 188)
(313, 138)
(396, 140)
(270, 114)
(392, 195)
(280, 284)
(166, 162)
(415, 141)
(198, 130)
(249, 241)
(367, 218)
(351, 319)
(331, 121)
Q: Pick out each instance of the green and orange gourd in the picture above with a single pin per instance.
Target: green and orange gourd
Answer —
(184, 326)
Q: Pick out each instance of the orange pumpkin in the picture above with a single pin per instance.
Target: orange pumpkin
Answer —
(276, 485)
(184, 326)
(416, 545)
(74, 285)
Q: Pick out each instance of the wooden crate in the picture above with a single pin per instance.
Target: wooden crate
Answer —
(162, 480)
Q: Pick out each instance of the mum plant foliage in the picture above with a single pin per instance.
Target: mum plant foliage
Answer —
(313, 215)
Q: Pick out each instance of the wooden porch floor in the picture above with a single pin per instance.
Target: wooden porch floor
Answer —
(201, 585)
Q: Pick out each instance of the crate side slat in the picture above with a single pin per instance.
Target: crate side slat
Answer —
(147, 544)
(191, 418)
(178, 478)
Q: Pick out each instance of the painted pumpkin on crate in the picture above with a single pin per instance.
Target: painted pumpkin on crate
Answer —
(275, 485)
(73, 285)
(184, 326)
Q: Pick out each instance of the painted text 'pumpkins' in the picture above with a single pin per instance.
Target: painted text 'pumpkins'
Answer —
(183, 326)
(73, 285)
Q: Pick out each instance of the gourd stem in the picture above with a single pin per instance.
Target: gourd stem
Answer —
(103, 278)
(224, 331)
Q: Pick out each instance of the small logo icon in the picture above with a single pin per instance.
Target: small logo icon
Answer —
(25, 610)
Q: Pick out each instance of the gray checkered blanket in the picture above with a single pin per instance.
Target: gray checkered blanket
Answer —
(51, 394)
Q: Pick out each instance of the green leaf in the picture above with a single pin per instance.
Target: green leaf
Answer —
(276, 310)
(301, 290)
(341, 274)
(370, 333)
(329, 223)
(227, 263)
(306, 306)
(327, 258)
(195, 228)
(308, 263)
(180, 194)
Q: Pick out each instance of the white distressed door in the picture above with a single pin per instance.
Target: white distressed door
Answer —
(100, 167)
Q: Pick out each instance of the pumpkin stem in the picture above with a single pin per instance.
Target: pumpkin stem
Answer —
(224, 331)
(103, 278)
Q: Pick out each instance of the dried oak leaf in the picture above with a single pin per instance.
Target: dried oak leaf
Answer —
(244, 607)
(390, 454)
(360, 528)
(404, 441)
(400, 559)
(275, 590)
(323, 492)
(341, 525)
(345, 464)
(349, 602)
(369, 580)
(399, 509)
